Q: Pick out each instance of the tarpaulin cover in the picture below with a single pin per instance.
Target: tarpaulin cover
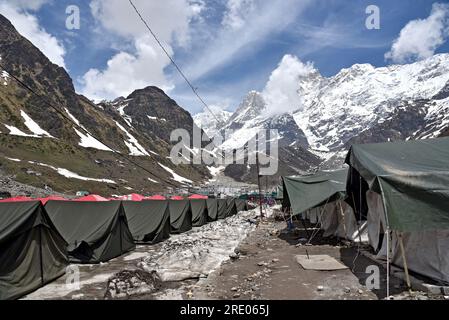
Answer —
(231, 208)
(32, 252)
(149, 220)
(222, 206)
(17, 199)
(95, 231)
(242, 205)
(306, 192)
(199, 212)
(412, 177)
(212, 209)
(180, 216)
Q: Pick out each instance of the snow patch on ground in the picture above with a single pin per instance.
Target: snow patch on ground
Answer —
(74, 119)
(4, 77)
(157, 119)
(87, 141)
(12, 159)
(34, 127)
(197, 253)
(71, 175)
(135, 148)
(176, 177)
(152, 180)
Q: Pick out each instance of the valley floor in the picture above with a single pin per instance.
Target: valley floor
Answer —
(233, 259)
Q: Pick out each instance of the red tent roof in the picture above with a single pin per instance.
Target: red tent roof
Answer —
(177, 198)
(51, 198)
(198, 196)
(18, 199)
(134, 197)
(156, 197)
(92, 198)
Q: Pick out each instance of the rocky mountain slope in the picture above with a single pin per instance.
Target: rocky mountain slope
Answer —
(43, 146)
(361, 104)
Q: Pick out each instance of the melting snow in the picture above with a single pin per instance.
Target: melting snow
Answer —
(12, 159)
(71, 175)
(135, 148)
(176, 177)
(87, 141)
(17, 132)
(197, 253)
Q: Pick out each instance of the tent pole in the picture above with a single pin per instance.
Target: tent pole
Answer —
(407, 275)
(388, 261)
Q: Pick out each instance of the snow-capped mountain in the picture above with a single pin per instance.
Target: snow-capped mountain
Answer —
(209, 122)
(361, 104)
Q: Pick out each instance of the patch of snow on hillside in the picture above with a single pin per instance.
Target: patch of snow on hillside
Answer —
(87, 141)
(152, 180)
(17, 132)
(34, 127)
(157, 119)
(71, 175)
(176, 177)
(12, 159)
(74, 119)
(5, 77)
(135, 148)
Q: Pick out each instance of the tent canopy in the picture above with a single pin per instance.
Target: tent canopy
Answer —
(156, 197)
(51, 198)
(412, 177)
(149, 221)
(95, 231)
(32, 252)
(199, 212)
(198, 196)
(17, 199)
(222, 205)
(180, 216)
(92, 198)
(177, 198)
(212, 209)
(306, 192)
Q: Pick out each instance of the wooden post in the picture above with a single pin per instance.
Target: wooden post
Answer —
(260, 186)
(407, 276)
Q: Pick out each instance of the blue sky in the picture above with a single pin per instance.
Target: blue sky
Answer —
(226, 47)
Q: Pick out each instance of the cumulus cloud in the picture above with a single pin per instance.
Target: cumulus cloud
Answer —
(420, 38)
(281, 92)
(144, 64)
(28, 26)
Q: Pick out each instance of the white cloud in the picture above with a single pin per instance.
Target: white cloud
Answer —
(127, 71)
(246, 25)
(28, 26)
(236, 13)
(281, 92)
(28, 4)
(420, 38)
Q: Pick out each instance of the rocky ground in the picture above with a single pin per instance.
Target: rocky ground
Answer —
(14, 188)
(240, 258)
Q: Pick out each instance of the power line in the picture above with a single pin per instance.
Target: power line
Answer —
(79, 126)
(195, 91)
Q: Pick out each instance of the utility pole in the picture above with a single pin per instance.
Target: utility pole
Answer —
(260, 186)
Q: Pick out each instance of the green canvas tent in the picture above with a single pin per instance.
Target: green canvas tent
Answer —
(241, 205)
(212, 209)
(180, 216)
(32, 252)
(302, 193)
(95, 231)
(231, 207)
(412, 177)
(199, 212)
(149, 220)
(404, 187)
(222, 209)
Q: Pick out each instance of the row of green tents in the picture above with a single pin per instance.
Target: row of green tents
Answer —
(38, 242)
(390, 191)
